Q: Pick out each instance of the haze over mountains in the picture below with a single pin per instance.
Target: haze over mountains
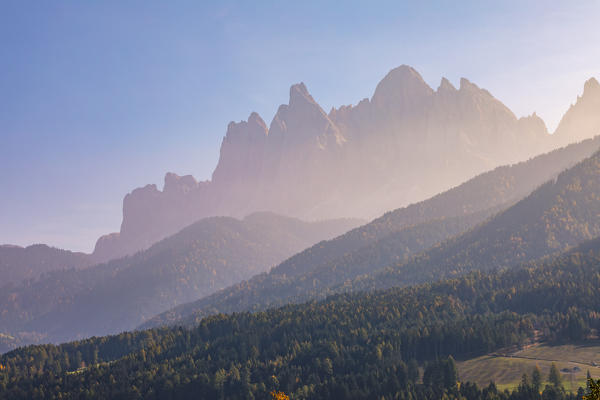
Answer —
(345, 347)
(406, 143)
(560, 214)
(358, 259)
(208, 255)
(464, 263)
(20, 263)
(582, 120)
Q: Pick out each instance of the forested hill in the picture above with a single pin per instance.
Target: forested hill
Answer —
(350, 346)
(276, 288)
(109, 298)
(386, 241)
(21, 263)
(561, 213)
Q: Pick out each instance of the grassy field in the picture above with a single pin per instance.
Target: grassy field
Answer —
(506, 369)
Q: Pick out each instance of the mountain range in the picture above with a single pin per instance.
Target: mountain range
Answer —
(354, 160)
(187, 270)
(486, 238)
(560, 214)
(451, 231)
(350, 346)
(208, 255)
(22, 263)
(405, 144)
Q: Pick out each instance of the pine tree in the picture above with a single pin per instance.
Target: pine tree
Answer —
(450, 373)
(413, 370)
(524, 386)
(536, 379)
(593, 390)
(554, 376)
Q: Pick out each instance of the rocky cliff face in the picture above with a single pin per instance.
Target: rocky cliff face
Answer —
(582, 120)
(19, 264)
(404, 144)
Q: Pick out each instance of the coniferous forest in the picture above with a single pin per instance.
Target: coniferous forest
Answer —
(396, 343)
(299, 200)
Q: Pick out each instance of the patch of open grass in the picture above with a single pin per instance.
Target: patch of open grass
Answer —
(506, 369)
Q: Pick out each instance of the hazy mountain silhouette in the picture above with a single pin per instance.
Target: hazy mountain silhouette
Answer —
(391, 239)
(206, 256)
(560, 214)
(20, 263)
(356, 334)
(405, 144)
(582, 120)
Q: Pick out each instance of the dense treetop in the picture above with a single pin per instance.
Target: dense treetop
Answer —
(363, 345)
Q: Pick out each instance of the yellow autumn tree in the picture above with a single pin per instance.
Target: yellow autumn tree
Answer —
(279, 396)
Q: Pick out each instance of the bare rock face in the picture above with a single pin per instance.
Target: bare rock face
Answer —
(406, 143)
(582, 120)
(418, 142)
(242, 151)
(279, 169)
(150, 215)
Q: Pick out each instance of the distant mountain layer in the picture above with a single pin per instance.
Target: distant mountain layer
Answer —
(561, 213)
(341, 264)
(352, 346)
(21, 263)
(582, 120)
(209, 255)
(406, 143)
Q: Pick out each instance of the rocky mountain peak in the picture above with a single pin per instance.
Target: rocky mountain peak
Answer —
(468, 86)
(355, 161)
(534, 125)
(591, 87)
(402, 85)
(582, 120)
(299, 94)
(179, 184)
(253, 129)
(446, 86)
(302, 118)
(255, 119)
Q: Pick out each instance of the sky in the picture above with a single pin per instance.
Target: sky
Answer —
(100, 97)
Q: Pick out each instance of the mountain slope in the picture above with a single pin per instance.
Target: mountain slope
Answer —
(352, 346)
(20, 263)
(582, 120)
(406, 143)
(202, 258)
(387, 240)
(559, 214)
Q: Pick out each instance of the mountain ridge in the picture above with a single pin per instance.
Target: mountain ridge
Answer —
(328, 266)
(349, 343)
(355, 161)
(560, 214)
(19, 263)
(107, 298)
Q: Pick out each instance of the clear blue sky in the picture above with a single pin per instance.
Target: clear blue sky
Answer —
(97, 98)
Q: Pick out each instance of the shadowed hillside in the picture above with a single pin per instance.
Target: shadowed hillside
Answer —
(348, 346)
(21, 263)
(391, 239)
(108, 298)
(558, 215)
